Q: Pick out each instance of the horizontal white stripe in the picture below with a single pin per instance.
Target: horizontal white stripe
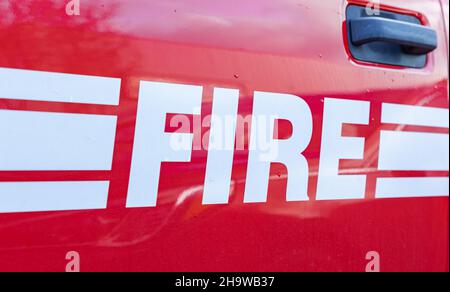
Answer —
(55, 141)
(52, 196)
(413, 151)
(404, 187)
(414, 115)
(58, 87)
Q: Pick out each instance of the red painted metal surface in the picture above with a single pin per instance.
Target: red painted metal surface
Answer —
(296, 47)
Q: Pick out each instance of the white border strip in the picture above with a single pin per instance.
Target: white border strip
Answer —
(409, 187)
(58, 87)
(52, 196)
(414, 115)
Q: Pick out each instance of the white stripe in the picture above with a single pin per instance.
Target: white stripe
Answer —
(414, 115)
(55, 141)
(413, 151)
(58, 87)
(404, 187)
(52, 196)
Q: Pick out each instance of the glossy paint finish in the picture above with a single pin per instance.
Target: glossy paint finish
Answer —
(285, 46)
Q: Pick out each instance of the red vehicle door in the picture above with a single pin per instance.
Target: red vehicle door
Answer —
(115, 146)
